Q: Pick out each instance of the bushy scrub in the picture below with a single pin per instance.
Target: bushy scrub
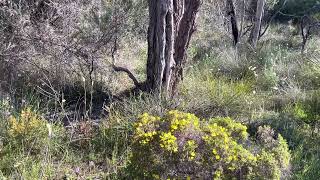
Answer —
(274, 158)
(268, 80)
(180, 145)
(28, 143)
(27, 130)
(309, 76)
(303, 140)
(111, 145)
(306, 110)
(204, 94)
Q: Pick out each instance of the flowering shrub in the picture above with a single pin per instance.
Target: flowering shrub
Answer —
(27, 124)
(29, 130)
(274, 158)
(179, 145)
(27, 139)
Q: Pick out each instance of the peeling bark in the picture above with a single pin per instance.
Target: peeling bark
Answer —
(171, 24)
(233, 20)
(254, 36)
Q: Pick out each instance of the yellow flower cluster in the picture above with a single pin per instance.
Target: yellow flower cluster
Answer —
(180, 120)
(191, 147)
(235, 129)
(27, 123)
(220, 142)
(224, 147)
(145, 128)
(217, 175)
(168, 142)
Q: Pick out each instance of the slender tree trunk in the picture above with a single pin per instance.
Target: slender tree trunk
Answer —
(305, 27)
(254, 36)
(233, 20)
(305, 35)
(171, 24)
(242, 18)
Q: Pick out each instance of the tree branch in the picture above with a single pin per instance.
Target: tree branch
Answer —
(122, 69)
(129, 73)
(272, 18)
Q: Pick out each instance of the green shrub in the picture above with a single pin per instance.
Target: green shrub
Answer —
(274, 154)
(28, 129)
(268, 80)
(111, 145)
(309, 76)
(28, 144)
(307, 109)
(206, 95)
(179, 145)
(303, 140)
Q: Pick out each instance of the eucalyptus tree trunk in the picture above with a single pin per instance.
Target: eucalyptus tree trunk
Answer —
(255, 33)
(233, 20)
(305, 33)
(171, 24)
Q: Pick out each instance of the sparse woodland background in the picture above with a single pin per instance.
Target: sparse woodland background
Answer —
(135, 89)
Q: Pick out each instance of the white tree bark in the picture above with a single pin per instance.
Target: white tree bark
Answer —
(254, 36)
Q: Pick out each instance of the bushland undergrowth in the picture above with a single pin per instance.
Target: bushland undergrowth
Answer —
(239, 113)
